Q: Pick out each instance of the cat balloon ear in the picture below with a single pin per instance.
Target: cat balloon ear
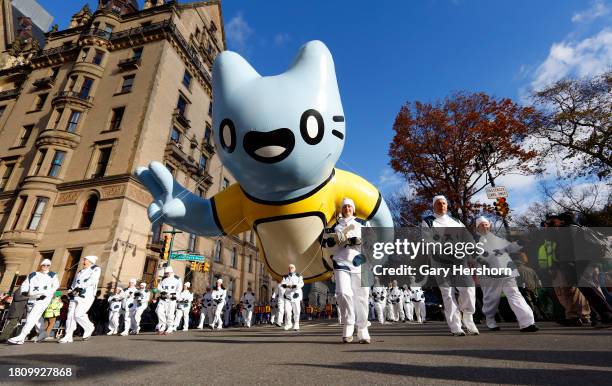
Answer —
(231, 70)
(315, 64)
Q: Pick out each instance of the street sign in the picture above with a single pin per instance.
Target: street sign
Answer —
(187, 257)
(496, 192)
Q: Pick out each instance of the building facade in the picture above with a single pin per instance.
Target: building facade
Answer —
(119, 88)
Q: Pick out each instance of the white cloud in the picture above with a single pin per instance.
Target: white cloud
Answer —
(598, 9)
(238, 33)
(281, 38)
(588, 57)
(389, 181)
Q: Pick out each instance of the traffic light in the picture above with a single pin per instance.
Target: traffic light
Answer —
(501, 207)
(194, 266)
(206, 267)
(165, 253)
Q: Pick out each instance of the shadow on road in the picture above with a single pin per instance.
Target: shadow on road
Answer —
(86, 366)
(475, 374)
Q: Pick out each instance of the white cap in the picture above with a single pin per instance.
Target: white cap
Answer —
(93, 259)
(348, 201)
(187, 284)
(168, 269)
(219, 280)
(143, 285)
(45, 262)
(132, 281)
(481, 220)
(438, 197)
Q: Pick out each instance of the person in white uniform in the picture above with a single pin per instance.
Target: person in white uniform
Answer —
(278, 305)
(227, 309)
(418, 300)
(347, 261)
(496, 255)
(219, 294)
(462, 309)
(142, 296)
(38, 287)
(183, 307)
(396, 298)
(115, 306)
(292, 283)
(83, 293)
(379, 295)
(129, 307)
(168, 289)
(248, 302)
(207, 309)
(407, 300)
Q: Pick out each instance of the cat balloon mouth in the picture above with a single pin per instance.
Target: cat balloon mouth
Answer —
(269, 147)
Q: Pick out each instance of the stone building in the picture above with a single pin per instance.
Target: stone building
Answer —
(117, 89)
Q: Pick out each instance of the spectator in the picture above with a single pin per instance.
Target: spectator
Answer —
(52, 312)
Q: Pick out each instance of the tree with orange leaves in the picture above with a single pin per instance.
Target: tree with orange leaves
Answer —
(447, 147)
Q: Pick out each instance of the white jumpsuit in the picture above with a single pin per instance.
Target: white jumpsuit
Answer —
(115, 305)
(396, 299)
(218, 297)
(39, 288)
(292, 283)
(352, 296)
(168, 289)
(248, 303)
(279, 312)
(496, 256)
(461, 308)
(207, 310)
(379, 295)
(183, 308)
(87, 281)
(418, 303)
(129, 308)
(142, 302)
(407, 300)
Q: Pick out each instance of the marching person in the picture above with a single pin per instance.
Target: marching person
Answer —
(227, 309)
(495, 255)
(274, 308)
(168, 289)
(418, 300)
(38, 287)
(115, 305)
(407, 300)
(129, 307)
(248, 300)
(83, 292)
(352, 297)
(183, 307)
(207, 309)
(461, 309)
(219, 294)
(379, 295)
(292, 283)
(396, 298)
(142, 297)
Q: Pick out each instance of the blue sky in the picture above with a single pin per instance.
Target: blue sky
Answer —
(389, 52)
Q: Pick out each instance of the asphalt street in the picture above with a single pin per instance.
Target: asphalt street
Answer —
(399, 354)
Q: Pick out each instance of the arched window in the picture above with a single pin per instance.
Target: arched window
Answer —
(89, 210)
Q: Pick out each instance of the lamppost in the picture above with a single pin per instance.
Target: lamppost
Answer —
(126, 245)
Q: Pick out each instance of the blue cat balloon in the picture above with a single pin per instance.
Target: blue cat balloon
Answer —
(280, 136)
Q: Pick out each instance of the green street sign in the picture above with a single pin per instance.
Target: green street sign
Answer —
(183, 257)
